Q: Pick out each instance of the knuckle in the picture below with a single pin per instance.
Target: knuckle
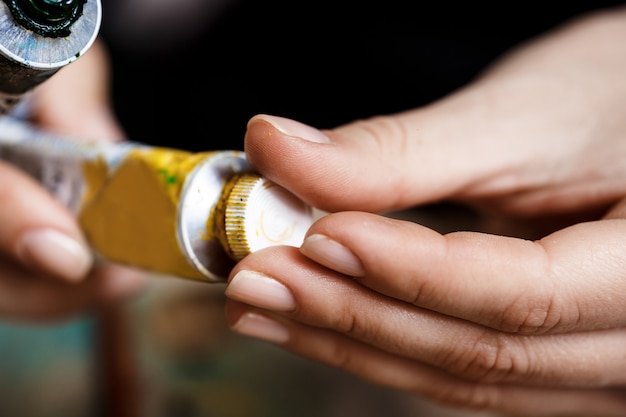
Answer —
(491, 358)
(531, 315)
(539, 306)
(356, 326)
(346, 322)
(390, 138)
(381, 128)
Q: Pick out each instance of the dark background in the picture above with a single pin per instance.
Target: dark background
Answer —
(324, 63)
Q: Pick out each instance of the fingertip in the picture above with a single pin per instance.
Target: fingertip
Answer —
(292, 155)
(287, 127)
(54, 253)
(305, 161)
(281, 148)
(332, 254)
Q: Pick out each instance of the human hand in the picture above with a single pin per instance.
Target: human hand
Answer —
(495, 322)
(47, 271)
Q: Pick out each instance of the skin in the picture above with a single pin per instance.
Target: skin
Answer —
(522, 317)
(58, 283)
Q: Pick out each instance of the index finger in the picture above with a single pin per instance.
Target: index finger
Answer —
(569, 280)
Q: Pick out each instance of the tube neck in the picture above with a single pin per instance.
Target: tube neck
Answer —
(49, 18)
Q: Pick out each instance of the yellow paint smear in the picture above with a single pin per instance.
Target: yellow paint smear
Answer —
(129, 215)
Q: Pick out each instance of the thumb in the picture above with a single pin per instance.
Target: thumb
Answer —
(378, 164)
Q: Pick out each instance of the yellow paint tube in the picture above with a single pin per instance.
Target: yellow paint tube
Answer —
(190, 215)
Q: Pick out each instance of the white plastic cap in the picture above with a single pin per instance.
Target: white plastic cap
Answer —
(260, 213)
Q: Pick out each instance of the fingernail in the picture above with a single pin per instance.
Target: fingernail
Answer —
(332, 254)
(261, 291)
(261, 327)
(292, 128)
(54, 253)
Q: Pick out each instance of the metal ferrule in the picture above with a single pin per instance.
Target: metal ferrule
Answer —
(27, 58)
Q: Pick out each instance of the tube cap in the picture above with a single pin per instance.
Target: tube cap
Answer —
(259, 213)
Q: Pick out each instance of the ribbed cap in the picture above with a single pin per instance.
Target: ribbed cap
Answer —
(260, 213)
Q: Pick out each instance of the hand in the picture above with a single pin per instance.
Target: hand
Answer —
(496, 322)
(47, 271)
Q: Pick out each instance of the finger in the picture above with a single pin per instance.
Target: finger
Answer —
(390, 370)
(26, 296)
(76, 100)
(38, 231)
(514, 285)
(280, 280)
(368, 165)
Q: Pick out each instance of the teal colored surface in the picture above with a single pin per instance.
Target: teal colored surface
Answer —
(31, 347)
(47, 370)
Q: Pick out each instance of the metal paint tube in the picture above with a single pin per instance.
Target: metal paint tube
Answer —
(39, 37)
(190, 215)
